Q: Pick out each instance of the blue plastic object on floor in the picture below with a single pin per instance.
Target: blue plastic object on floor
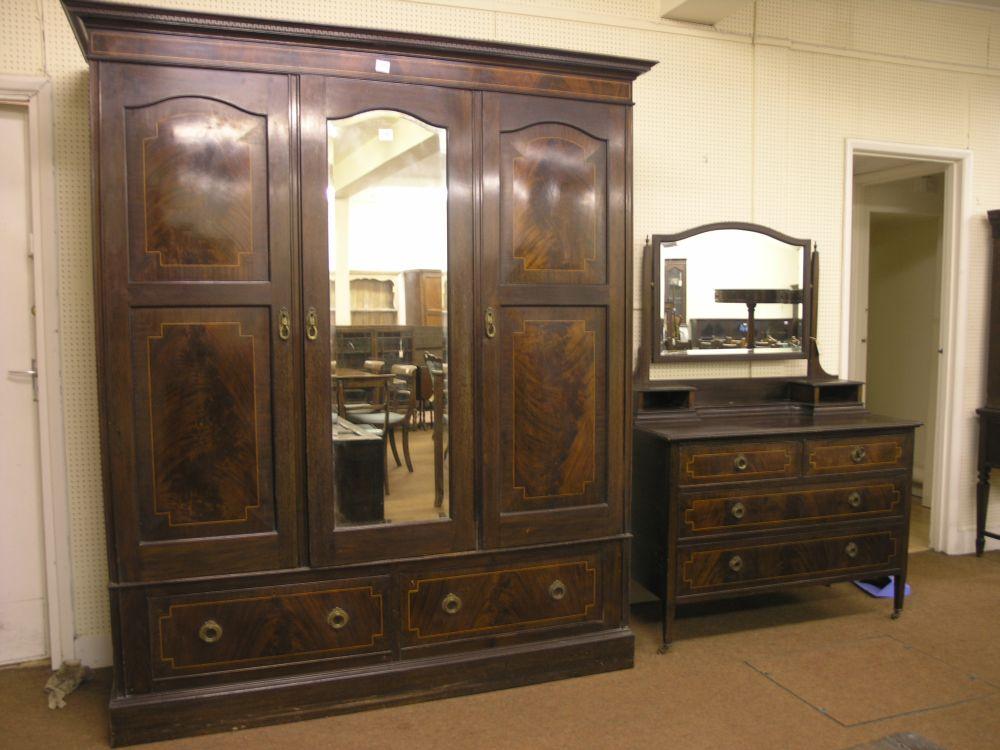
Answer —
(880, 590)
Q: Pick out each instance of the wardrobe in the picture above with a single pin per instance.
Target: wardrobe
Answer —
(244, 168)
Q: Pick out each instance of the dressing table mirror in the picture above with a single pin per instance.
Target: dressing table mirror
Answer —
(728, 291)
(749, 485)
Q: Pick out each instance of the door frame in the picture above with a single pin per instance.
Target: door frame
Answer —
(951, 425)
(35, 95)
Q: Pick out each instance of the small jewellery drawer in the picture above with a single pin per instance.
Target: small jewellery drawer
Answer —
(759, 508)
(263, 627)
(503, 600)
(860, 453)
(701, 463)
(733, 567)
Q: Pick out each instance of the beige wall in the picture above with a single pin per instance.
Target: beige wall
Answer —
(904, 283)
(727, 127)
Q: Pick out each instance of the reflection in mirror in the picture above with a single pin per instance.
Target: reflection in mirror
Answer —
(387, 198)
(729, 291)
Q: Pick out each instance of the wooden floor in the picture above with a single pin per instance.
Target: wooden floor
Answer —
(411, 495)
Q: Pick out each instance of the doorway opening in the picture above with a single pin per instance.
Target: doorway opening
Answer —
(902, 281)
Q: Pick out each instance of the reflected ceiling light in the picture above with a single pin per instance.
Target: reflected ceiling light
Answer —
(385, 134)
(333, 131)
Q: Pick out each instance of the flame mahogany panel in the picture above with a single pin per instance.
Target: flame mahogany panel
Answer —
(554, 190)
(554, 402)
(266, 627)
(203, 419)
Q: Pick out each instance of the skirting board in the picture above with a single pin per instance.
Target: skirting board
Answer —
(94, 651)
(158, 716)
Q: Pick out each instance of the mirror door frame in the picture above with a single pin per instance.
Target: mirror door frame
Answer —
(451, 109)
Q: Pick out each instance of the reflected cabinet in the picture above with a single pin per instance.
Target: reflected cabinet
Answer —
(363, 336)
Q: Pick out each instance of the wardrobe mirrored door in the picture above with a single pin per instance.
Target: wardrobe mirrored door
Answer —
(387, 236)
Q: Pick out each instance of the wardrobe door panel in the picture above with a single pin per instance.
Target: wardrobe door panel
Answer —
(198, 323)
(553, 281)
(387, 196)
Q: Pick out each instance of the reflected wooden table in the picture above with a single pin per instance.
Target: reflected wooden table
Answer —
(345, 378)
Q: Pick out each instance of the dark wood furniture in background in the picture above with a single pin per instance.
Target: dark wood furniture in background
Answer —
(238, 595)
(424, 298)
(989, 415)
(751, 485)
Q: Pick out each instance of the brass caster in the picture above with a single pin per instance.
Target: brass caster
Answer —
(663, 649)
(895, 614)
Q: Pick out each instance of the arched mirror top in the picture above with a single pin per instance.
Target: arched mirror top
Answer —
(728, 291)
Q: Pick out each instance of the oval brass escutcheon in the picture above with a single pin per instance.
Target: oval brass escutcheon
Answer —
(557, 589)
(851, 550)
(854, 499)
(740, 463)
(312, 324)
(859, 454)
(210, 631)
(284, 324)
(736, 563)
(337, 618)
(738, 510)
(451, 604)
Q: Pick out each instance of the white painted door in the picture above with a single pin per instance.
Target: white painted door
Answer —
(23, 630)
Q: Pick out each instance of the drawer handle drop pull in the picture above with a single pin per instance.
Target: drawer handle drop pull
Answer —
(338, 618)
(451, 604)
(740, 463)
(210, 631)
(854, 499)
(738, 510)
(736, 563)
(557, 589)
(859, 454)
(851, 549)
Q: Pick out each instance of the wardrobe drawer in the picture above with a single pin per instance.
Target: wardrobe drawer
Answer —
(861, 453)
(755, 508)
(503, 600)
(701, 463)
(750, 566)
(265, 627)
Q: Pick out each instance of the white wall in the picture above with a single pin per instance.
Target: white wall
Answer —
(744, 123)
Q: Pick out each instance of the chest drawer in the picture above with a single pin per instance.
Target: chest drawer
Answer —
(854, 454)
(703, 463)
(484, 603)
(757, 509)
(748, 566)
(265, 627)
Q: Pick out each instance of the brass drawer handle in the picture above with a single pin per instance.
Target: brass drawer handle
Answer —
(284, 324)
(854, 499)
(859, 454)
(337, 618)
(312, 324)
(451, 604)
(557, 589)
(736, 563)
(851, 550)
(738, 510)
(740, 463)
(210, 631)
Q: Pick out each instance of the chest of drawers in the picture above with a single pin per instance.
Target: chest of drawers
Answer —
(731, 505)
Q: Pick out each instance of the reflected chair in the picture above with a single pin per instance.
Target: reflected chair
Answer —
(439, 373)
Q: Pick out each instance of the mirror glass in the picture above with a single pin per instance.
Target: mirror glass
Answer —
(726, 292)
(387, 197)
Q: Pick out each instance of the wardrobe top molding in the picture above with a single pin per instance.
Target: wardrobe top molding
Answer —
(141, 34)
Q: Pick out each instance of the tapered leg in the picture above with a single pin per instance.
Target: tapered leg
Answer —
(406, 448)
(668, 626)
(982, 502)
(392, 444)
(898, 594)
